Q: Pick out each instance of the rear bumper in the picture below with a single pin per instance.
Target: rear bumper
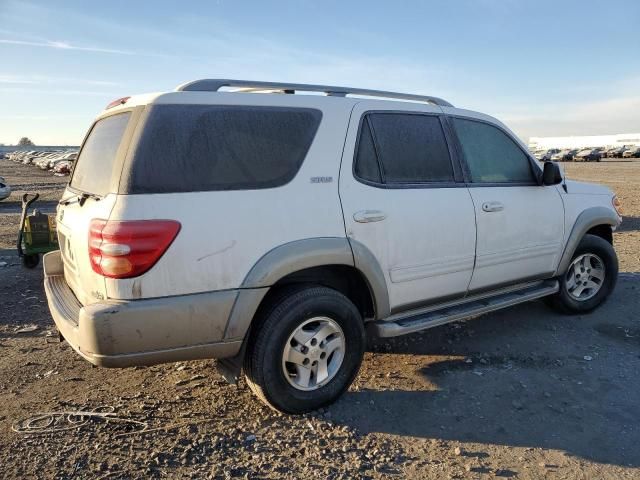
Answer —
(140, 332)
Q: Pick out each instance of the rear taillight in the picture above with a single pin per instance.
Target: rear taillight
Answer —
(125, 249)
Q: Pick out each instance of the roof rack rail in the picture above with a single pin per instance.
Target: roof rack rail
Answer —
(215, 84)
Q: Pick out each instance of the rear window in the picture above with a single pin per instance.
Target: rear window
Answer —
(186, 148)
(93, 168)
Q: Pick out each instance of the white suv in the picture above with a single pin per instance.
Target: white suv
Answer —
(269, 228)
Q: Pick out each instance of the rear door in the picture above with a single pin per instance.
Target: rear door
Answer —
(404, 200)
(91, 194)
(520, 224)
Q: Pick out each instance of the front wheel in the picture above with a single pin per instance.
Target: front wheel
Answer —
(590, 278)
(306, 349)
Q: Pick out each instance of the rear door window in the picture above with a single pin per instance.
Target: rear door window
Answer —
(92, 173)
(399, 148)
(492, 156)
(186, 148)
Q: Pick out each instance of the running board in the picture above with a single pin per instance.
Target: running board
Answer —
(416, 322)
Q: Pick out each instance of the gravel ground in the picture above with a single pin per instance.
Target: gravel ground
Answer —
(522, 393)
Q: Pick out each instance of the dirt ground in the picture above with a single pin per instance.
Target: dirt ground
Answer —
(523, 393)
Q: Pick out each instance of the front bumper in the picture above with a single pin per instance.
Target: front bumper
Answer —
(140, 332)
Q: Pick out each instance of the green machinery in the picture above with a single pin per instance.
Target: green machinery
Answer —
(37, 233)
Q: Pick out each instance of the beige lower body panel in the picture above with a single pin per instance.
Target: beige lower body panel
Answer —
(140, 332)
(193, 352)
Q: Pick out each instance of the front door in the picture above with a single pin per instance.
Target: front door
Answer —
(520, 223)
(405, 200)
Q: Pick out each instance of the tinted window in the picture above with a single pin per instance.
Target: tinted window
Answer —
(93, 168)
(203, 147)
(367, 166)
(410, 148)
(492, 156)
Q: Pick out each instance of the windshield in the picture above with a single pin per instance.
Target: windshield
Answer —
(92, 173)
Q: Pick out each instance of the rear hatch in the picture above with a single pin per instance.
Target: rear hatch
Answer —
(91, 195)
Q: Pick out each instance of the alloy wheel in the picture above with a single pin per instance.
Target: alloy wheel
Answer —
(313, 353)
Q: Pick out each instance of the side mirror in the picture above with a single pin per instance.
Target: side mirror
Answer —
(551, 174)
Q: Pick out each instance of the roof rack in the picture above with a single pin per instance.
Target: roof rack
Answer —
(215, 84)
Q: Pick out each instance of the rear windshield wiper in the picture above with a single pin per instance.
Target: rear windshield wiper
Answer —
(79, 198)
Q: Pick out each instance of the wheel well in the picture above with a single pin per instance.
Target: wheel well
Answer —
(343, 278)
(602, 231)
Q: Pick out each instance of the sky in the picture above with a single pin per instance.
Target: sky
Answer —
(545, 68)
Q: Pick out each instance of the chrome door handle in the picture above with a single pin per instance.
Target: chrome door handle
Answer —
(367, 216)
(492, 207)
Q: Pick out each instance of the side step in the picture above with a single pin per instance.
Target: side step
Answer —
(416, 322)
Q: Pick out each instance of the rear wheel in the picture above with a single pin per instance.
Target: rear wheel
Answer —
(306, 349)
(590, 278)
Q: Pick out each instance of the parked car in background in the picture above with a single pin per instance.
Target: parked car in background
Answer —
(43, 162)
(45, 159)
(587, 155)
(568, 156)
(63, 156)
(632, 153)
(611, 152)
(545, 155)
(29, 158)
(62, 167)
(606, 152)
(619, 152)
(563, 155)
(5, 190)
(71, 156)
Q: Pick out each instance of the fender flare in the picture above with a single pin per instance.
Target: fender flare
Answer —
(588, 219)
(299, 255)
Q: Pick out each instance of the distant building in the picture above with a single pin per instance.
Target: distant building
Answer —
(586, 141)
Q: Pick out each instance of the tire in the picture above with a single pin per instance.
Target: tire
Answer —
(274, 380)
(31, 261)
(592, 250)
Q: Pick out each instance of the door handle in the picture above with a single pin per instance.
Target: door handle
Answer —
(367, 216)
(492, 207)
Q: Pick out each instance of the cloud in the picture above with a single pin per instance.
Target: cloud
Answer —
(54, 92)
(58, 45)
(64, 46)
(600, 117)
(46, 79)
(16, 80)
(39, 118)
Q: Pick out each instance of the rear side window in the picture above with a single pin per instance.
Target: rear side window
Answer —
(398, 148)
(492, 156)
(187, 148)
(92, 172)
(367, 166)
